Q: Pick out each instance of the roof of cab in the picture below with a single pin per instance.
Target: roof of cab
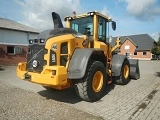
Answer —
(88, 14)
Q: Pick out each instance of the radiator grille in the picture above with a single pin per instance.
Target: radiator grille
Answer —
(36, 52)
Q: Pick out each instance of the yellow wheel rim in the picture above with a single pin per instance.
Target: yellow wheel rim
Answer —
(126, 71)
(97, 82)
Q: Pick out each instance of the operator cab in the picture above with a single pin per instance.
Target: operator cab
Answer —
(88, 22)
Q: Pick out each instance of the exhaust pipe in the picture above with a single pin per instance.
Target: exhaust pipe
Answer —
(56, 20)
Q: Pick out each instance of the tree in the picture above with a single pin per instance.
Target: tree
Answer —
(156, 50)
(158, 42)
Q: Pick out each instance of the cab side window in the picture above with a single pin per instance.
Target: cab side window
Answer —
(102, 29)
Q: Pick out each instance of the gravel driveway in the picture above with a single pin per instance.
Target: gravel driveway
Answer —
(140, 99)
(19, 104)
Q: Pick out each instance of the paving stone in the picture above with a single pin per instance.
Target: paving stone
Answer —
(122, 102)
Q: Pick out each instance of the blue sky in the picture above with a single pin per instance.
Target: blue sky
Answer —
(132, 16)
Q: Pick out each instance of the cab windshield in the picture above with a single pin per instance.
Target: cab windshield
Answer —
(81, 24)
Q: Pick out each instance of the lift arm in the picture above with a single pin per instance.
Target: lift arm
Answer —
(118, 44)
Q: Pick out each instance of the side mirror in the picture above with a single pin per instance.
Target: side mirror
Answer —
(113, 25)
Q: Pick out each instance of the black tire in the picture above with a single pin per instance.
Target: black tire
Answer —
(124, 77)
(86, 87)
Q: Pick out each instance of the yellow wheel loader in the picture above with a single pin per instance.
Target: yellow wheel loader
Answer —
(78, 55)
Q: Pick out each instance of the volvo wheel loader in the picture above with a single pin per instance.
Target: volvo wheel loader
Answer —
(77, 55)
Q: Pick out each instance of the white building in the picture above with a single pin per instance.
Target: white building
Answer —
(14, 41)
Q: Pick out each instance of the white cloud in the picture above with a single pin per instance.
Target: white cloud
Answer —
(37, 13)
(155, 36)
(105, 11)
(143, 9)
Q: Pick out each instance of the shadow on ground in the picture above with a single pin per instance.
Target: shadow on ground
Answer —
(109, 88)
(67, 95)
(157, 74)
(1, 69)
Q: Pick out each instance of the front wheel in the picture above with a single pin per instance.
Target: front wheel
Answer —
(124, 77)
(92, 87)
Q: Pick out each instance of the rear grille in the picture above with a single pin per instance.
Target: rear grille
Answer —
(36, 53)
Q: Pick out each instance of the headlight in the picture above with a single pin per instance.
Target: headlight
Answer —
(91, 13)
(53, 72)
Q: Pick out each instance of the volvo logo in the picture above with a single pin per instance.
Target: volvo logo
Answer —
(35, 63)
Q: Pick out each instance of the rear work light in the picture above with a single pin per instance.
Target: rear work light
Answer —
(42, 40)
(30, 41)
(53, 72)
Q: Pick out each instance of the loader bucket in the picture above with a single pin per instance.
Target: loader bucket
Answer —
(134, 69)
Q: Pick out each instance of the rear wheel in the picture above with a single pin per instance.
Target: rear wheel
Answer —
(124, 77)
(92, 87)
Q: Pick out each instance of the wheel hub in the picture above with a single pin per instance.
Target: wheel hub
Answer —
(126, 71)
(97, 82)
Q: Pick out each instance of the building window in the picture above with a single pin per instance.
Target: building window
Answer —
(135, 53)
(126, 47)
(14, 50)
(2, 51)
(144, 53)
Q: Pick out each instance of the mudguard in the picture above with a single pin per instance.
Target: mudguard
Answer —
(134, 69)
(117, 61)
(79, 61)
